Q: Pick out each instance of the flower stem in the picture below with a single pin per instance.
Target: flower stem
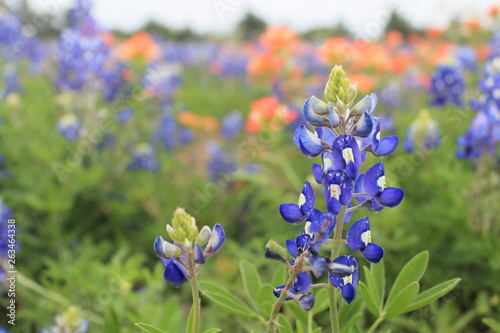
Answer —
(271, 323)
(332, 293)
(376, 324)
(196, 300)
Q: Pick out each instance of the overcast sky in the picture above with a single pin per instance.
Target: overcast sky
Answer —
(364, 17)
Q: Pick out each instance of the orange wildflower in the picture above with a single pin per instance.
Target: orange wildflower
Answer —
(434, 33)
(365, 82)
(472, 25)
(264, 64)
(278, 38)
(494, 11)
(140, 44)
(191, 119)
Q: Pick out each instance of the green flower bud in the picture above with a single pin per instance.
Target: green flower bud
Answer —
(338, 84)
(183, 229)
(275, 251)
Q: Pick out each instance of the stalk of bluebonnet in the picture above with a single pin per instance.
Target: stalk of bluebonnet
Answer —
(423, 134)
(447, 85)
(483, 136)
(184, 256)
(344, 133)
(170, 133)
(69, 322)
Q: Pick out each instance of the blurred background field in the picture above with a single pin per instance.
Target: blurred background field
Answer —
(105, 131)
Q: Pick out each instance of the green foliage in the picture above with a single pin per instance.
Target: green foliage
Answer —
(250, 27)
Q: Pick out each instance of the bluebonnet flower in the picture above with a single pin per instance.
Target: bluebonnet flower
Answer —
(12, 84)
(144, 158)
(15, 42)
(219, 163)
(183, 257)
(124, 115)
(169, 133)
(343, 134)
(447, 86)
(466, 58)
(69, 321)
(483, 135)
(232, 124)
(69, 126)
(162, 79)
(4, 173)
(423, 133)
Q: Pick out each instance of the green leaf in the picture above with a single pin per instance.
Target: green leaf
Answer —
(189, 324)
(321, 302)
(149, 328)
(251, 279)
(297, 311)
(350, 313)
(399, 303)
(378, 274)
(372, 287)
(493, 324)
(300, 328)
(286, 326)
(317, 330)
(369, 300)
(213, 330)
(411, 272)
(280, 276)
(265, 300)
(226, 300)
(432, 294)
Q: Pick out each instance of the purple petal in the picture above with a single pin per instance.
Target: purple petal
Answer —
(175, 273)
(306, 199)
(310, 143)
(292, 247)
(307, 301)
(365, 125)
(312, 117)
(317, 172)
(334, 206)
(216, 240)
(358, 235)
(391, 196)
(291, 213)
(199, 258)
(302, 282)
(334, 117)
(348, 293)
(386, 146)
(374, 179)
(373, 253)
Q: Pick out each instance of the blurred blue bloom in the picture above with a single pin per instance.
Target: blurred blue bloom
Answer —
(423, 133)
(69, 126)
(4, 173)
(232, 125)
(144, 158)
(447, 86)
(220, 163)
(124, 115)
(465, 57)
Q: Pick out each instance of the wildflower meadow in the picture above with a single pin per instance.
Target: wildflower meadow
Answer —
(270, 179)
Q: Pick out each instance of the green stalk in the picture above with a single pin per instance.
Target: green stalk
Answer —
(332, 293)
(271, 323)
(196, 297)
(376, 324)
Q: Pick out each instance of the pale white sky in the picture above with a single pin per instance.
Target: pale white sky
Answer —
(364, 17)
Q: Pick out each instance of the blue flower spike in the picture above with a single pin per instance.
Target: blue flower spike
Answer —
(344, 134)
(185, 254)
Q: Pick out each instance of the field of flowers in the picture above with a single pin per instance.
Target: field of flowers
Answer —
(278, 184)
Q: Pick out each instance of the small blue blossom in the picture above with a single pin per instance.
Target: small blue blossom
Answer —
(69, 126)
(447, 86)
(347, 284)
(144, 158)
(232, 125)
(220, 164)
(423, 133)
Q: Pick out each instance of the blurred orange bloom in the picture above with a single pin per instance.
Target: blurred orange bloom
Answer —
(483, 51)
(269, 110)
(494, 11)
(365, 82)
(278, 38)
(264, 64)
(191, 119)
(472, 25)
(140, 44)
(107, 37)
(335, 51)
(434, 33)
(394, 38)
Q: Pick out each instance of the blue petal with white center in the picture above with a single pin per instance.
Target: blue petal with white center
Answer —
(358, 235)
(174, 272)
(216, 240)
(364, 125)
